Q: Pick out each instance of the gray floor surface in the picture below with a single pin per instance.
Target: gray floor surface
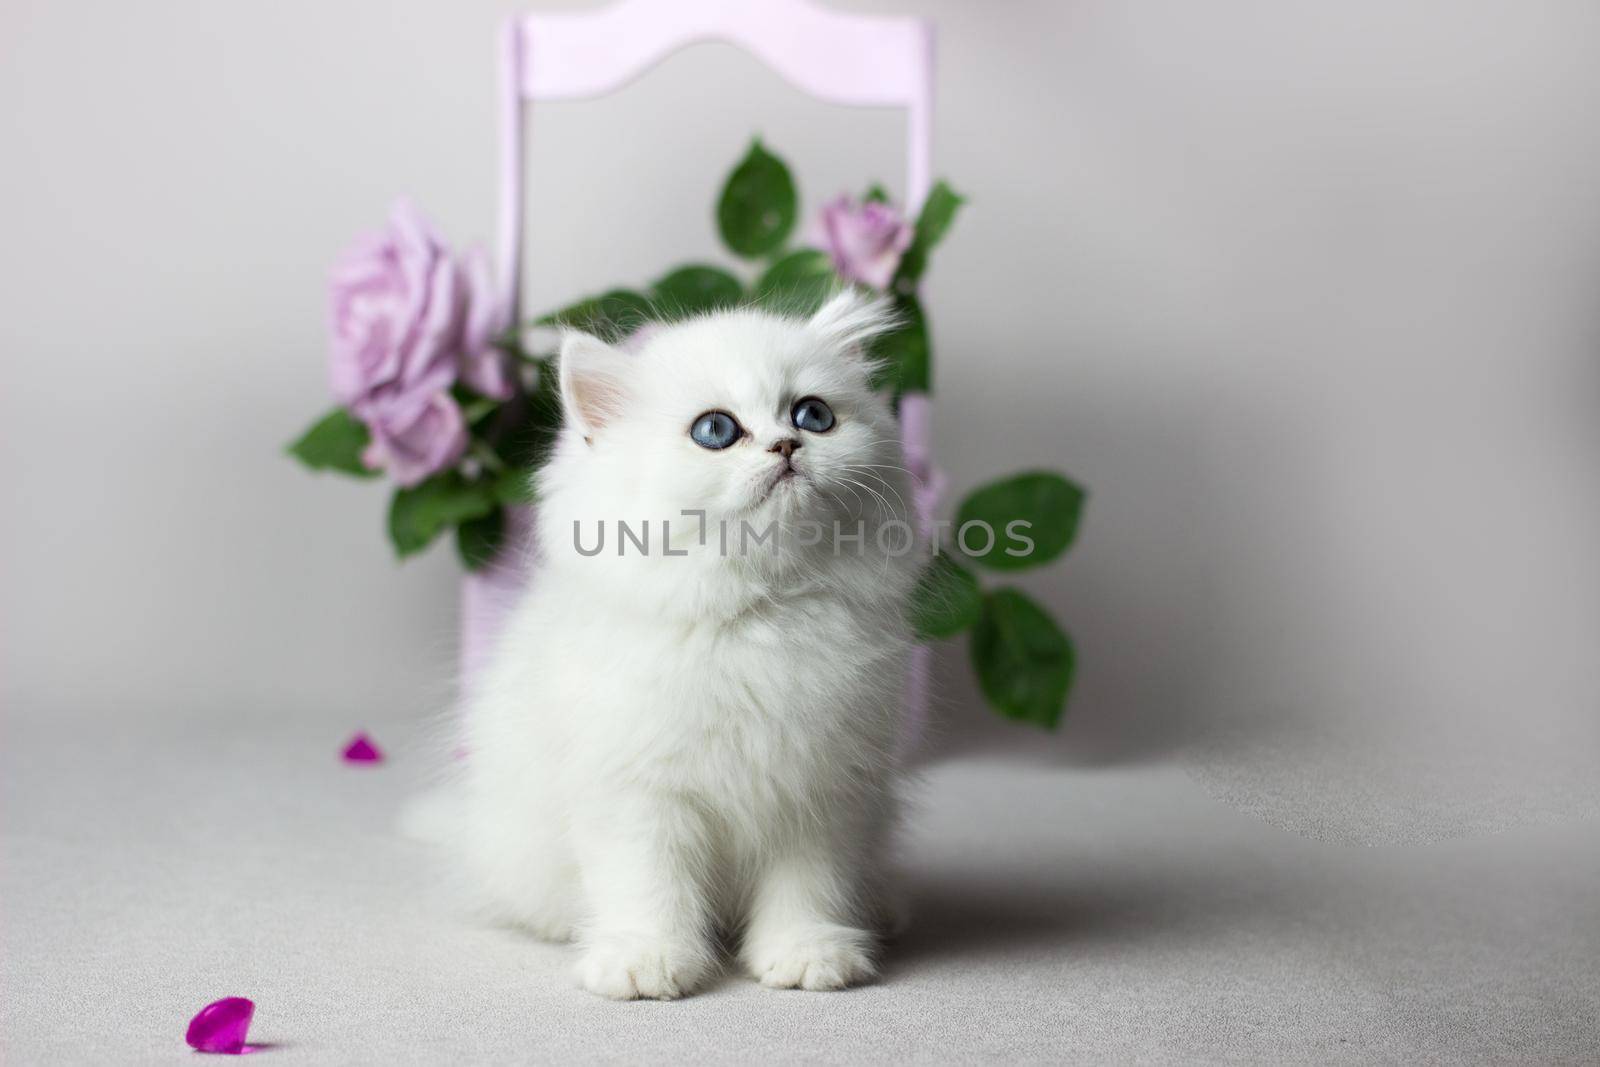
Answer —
(1061, 915)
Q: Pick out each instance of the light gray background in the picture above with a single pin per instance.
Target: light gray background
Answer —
(1307, 294)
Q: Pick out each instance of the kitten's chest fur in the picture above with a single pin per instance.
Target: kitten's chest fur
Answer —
(794, 696)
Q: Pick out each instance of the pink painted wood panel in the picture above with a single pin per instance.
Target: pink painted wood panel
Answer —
(837, 57)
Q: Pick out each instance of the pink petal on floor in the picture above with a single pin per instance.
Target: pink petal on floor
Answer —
(362, 750)
(221, 1026)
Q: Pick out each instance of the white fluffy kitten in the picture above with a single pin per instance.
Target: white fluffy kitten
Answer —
(670, 749)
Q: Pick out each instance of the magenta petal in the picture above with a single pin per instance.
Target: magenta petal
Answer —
(362, 750)
(221, 1026)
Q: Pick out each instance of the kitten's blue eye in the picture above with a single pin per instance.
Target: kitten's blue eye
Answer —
(715, 429)
(812, 414)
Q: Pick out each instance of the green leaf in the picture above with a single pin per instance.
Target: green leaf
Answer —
(947, 599)
(758, 204)
(938, 212)
(574, 315)
(335, 442)
(1023, 660)
(418, 515)
(515, 486)
(527, 443)
(797, 283)
(695, 289)
(876, 194)
(1047, 503)
(509, 340)
(904, 353)
(477, 409)
(478, 540)
(609, 315)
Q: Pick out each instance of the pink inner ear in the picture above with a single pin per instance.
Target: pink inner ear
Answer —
(598, 398)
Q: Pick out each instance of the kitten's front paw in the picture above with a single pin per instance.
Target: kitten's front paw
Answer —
(633, 968)
(815, 958)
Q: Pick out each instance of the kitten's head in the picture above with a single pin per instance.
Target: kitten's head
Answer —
(744, 415)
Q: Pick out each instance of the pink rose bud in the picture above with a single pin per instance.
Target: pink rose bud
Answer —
(863, 239)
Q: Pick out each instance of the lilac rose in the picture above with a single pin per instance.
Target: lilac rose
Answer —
(397, 310)
(485, 368)
(414, 435)
(863, 239)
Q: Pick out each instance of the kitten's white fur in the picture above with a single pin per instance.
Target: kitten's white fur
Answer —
(668, 750)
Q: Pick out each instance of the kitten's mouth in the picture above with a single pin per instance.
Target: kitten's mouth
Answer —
(784, 474)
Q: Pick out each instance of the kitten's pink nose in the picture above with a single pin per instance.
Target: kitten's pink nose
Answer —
(785, 447)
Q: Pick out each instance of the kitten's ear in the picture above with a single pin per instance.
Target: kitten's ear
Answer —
(853, 318)
(594, 378)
